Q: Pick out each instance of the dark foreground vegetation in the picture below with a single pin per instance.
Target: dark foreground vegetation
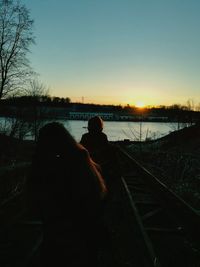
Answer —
(175, 160)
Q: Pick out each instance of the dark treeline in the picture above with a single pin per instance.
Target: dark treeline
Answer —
(174, 112)
(40, 100)
(55, 102)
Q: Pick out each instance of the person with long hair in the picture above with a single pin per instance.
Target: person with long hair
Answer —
(67, 190)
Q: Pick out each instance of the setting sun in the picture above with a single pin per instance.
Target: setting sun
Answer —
(140, 104)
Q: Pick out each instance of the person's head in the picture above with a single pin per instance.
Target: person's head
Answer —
(54, 139)
(95, 124)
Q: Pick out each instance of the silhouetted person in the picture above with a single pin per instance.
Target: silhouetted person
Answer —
(101, 151)
(95, 141)
(67, 191)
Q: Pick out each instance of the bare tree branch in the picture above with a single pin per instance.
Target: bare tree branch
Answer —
(15, 39)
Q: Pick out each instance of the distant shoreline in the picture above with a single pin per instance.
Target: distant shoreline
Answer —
(124, 120)
(159, 120)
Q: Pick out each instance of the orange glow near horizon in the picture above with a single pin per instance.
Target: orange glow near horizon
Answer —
(140, 104)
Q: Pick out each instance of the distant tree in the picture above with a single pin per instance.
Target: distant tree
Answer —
(27, 114)
(67, 100)
(56, 100)
(15, 38)
(37, 112)
(128, 108)
(197, 108)
(37, 90)
(190, 104)
(16, 122)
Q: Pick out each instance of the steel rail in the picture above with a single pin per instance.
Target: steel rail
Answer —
(188, 217)
(169, 225)
(154, 261)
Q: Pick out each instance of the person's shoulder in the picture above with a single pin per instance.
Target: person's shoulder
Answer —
(85, 134)
(84, 137)
(104, 136)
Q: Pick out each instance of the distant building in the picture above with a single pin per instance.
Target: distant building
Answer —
(157, 118)
(125, 117)
(72, 115)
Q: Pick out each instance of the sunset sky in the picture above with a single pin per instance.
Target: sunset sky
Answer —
(118, 51)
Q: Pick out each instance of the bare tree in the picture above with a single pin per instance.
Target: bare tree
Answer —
(197, 108)
(15, 39)
(38, 113)
(190, 104)
(28, 117)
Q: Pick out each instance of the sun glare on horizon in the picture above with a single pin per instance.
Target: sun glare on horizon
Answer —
(140, 104)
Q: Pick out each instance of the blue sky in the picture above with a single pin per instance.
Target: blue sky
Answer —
(118, 51)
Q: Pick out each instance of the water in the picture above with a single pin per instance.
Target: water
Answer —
(117, 130)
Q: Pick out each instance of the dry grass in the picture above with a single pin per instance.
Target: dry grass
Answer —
(175, 160)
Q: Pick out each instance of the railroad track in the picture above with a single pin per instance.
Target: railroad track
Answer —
(151, 226)
(168, 227)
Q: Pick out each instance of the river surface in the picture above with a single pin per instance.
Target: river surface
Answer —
(118, 130)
